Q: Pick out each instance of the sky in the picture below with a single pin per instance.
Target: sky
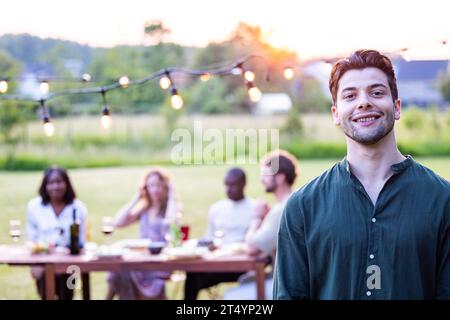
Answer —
(313, 28)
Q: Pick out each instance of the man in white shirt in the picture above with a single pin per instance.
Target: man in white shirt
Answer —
(228, 222)
(278, 173)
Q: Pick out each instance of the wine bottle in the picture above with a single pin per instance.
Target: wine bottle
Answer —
(74, 234)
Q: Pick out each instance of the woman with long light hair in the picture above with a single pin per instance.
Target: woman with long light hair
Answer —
(153, 205)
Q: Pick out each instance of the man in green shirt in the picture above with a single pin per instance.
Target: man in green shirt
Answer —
(377, 224)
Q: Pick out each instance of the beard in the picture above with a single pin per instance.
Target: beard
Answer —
(269, 188)
(369, 136)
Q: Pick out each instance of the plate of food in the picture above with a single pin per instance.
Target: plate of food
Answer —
(109, 252)
(138, 244)
(39, 247)
(186, 252)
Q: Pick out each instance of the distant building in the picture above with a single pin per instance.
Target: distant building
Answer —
(418, 81)
(273, 103)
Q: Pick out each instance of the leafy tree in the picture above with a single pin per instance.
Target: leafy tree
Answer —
(210, 97)
(312, 98)
(155, 31)
(293, 125)
(11, 112)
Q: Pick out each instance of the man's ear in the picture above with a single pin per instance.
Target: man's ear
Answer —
(397, 109)
(335, 113)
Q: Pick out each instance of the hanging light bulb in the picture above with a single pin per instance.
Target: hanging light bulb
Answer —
(3, 86)
(288, 73)
(249, 75)
(165, 82)
(86, 77)
(176, 100)
(106, 117)
(124, 81)
(237, 70)
(205, 77)
(253, 92)
(44, 86)
(49, 128)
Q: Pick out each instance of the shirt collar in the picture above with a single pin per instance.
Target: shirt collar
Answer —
(396, 168)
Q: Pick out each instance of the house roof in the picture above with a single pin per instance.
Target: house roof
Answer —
(419, 69)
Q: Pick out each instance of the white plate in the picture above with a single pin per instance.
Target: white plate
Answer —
(185, 252)
(133, 243)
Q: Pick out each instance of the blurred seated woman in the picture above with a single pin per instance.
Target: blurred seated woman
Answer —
(153, 206)
(49, 217)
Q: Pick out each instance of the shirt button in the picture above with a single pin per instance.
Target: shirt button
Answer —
(374, 220)
(371, 256)
(368, 293)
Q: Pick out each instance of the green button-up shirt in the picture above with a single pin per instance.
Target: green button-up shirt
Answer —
(333, 243)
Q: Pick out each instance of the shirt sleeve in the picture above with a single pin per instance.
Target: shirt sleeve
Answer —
(291, 275)
(265, 238)
(443, 276)
(32, 224)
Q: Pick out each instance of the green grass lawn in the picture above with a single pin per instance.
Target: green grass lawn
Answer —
(105, 190)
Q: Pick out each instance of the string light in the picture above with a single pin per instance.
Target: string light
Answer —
(44, 87)
(86, 77)
(49, 128)
(205, 77)
(106, 118)
(176, 100)
(288, 73)
(253, 92)
(237, 70)
(3, 86)
(249, 76)
(164, 82)
(124, 81)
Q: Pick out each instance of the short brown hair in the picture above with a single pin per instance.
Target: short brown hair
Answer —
(359, 60)
(286, 164)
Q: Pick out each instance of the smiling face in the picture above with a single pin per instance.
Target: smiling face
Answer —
(56, 186)
(364, 106)
(156, 188)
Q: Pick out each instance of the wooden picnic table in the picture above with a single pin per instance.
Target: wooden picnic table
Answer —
(58, 263)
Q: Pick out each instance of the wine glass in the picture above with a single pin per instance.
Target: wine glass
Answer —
(107, 227)
(15, 231)
(218, 237)
(166, 232)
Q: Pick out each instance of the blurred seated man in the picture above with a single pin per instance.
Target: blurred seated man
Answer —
(228, 222)
(278, 173)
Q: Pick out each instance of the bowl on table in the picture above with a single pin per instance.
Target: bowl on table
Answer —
(156, 247)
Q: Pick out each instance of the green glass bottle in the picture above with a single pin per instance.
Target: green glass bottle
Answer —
(74, 234)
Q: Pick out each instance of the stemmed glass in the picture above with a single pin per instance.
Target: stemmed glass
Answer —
(107, 227)
(15, 232)
(166, 232)
(218, 237)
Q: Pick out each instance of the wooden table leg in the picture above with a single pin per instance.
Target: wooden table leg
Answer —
(86, 286)
(49, 282)
(260, 279)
